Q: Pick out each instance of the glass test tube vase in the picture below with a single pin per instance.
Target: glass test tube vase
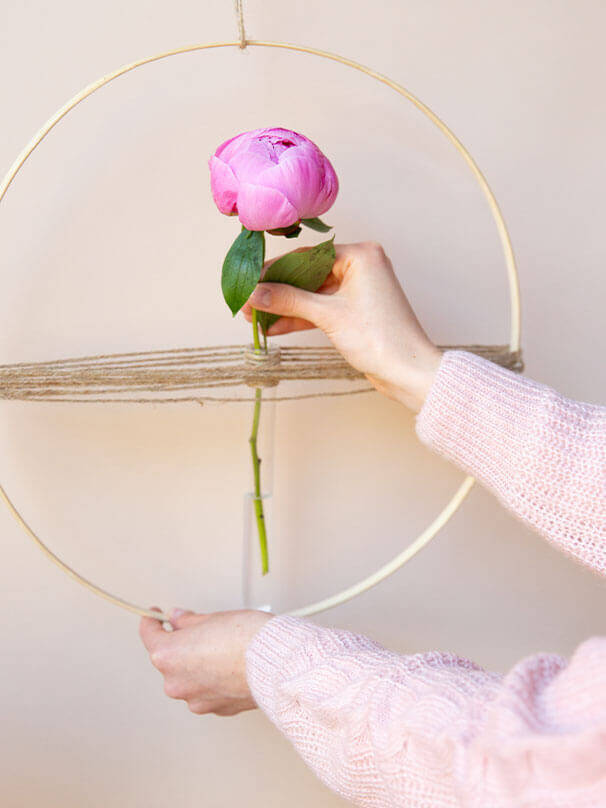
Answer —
(258, 550)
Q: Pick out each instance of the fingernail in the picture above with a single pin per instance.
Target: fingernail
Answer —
(175, 613)
(261, 298)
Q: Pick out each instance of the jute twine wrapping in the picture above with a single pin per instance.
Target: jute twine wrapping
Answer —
(191, 374)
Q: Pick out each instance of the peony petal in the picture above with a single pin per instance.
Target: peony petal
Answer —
(280, 132)
(249, 163)
(251, 153)
(295, 177)
(330, 188)
(232, 146)
(261, 208)
(224, 186)
(306, 178)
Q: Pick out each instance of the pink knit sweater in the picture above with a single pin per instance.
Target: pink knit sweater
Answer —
(434, 730)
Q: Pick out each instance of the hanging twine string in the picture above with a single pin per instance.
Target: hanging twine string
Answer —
(239, 7)
(192, 374)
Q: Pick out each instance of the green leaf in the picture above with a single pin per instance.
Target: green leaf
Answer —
(305, 270)
(242, 268)
(316, 224)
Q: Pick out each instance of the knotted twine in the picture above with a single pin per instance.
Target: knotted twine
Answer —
(240, 23)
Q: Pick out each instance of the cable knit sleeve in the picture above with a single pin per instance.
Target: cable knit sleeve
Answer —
(434, 730)
(543, 455)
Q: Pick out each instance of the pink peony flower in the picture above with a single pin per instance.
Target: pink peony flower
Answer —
(272, 178)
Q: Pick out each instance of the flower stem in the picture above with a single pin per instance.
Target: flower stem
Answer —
(255, 327)
(256, 460)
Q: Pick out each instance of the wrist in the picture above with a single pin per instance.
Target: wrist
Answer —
(414, 376)
(428, 370)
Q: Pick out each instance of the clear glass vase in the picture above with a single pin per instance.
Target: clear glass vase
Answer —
(258, 588)
(258, 585)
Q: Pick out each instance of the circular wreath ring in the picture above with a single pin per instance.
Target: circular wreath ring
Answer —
(514, 293)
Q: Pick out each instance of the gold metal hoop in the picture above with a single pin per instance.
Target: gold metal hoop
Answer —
(514, 294)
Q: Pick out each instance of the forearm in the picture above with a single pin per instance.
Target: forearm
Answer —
(376, 727)
(543, 455)
(434, 729)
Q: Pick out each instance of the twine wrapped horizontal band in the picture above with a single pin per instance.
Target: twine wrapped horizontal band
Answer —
(188, 374)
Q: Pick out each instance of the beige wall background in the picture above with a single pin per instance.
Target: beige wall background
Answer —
(109, 241)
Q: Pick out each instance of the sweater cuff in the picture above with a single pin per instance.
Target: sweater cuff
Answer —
(288, 647)
(268, 655)
(276, 652)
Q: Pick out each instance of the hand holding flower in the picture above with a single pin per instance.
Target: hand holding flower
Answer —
(364, 311)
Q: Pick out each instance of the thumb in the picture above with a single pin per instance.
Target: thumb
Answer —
(182, 618)
(289, 301)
